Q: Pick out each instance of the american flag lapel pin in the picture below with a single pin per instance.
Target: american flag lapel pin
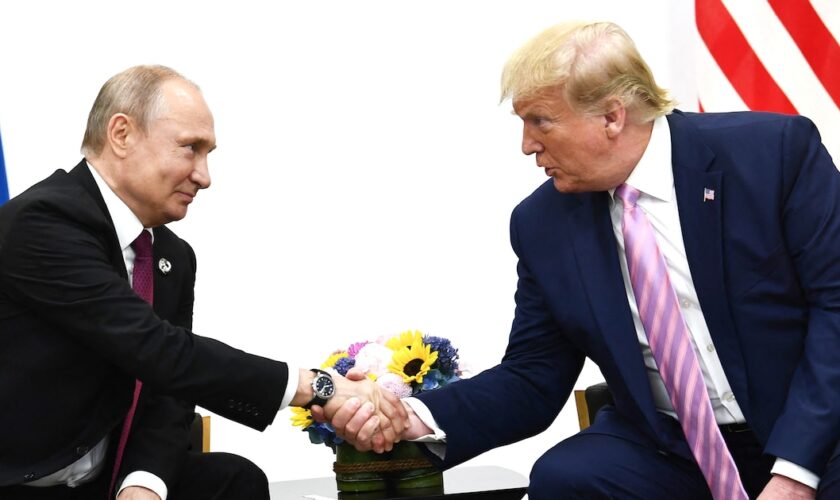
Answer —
(708, 195)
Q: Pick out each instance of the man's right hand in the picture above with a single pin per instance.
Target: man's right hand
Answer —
(360, 425)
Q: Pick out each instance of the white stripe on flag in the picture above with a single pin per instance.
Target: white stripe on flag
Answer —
(829, 11)
(713, 88)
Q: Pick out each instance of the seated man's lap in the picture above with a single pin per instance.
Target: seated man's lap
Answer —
(220, 476)
(611, 460)
(594, 466)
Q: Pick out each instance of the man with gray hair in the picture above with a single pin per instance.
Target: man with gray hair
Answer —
(693, 257)
(99, 370)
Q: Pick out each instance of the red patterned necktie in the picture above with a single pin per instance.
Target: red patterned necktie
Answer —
(673, 351)
(141, 282)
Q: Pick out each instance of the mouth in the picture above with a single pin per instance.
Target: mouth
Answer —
(187, 197)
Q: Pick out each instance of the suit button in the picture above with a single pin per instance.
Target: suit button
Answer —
(256, 413)
(28, 477)
(82, 451)
(231, 404)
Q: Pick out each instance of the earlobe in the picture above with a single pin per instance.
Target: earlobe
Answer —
(119, 134)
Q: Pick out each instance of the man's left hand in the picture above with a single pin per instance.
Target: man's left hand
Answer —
(785, 488)
(137, 493)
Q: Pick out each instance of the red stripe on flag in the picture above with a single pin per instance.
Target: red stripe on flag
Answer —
(814, 41)
(737, 59)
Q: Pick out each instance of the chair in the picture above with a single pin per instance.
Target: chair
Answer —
(589, 401)
(200, 434)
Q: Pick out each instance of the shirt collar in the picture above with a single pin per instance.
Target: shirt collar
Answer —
(126, 224)
(653, 174)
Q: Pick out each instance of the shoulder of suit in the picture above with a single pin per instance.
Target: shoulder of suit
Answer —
(750, 122)
(60, 194)
(547, 195)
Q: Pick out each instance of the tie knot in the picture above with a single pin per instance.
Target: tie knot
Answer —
(142, 245)
(628, 194)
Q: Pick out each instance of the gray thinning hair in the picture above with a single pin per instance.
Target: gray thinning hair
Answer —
(135, 92)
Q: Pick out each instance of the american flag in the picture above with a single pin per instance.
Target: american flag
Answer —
(772, 55)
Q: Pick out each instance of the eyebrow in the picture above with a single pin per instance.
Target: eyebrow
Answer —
(198, 140)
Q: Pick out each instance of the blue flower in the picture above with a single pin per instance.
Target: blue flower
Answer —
(343, 365)
(447, 361)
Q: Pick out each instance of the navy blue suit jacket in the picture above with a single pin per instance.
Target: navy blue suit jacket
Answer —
(765, 260)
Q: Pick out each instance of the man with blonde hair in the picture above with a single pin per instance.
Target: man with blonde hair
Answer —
(693, 258)
(99, 370)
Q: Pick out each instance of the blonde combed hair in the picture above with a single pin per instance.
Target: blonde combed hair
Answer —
(591, 63)
(135, 92)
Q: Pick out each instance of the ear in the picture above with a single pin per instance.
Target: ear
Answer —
(615, 118)
(120, 133)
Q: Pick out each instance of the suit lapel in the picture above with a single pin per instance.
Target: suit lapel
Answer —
(81, 173)
(701, 221)
(164, 271)
(597, 257)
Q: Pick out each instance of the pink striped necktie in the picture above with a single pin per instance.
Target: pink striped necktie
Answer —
(673, 351)
(141, 282)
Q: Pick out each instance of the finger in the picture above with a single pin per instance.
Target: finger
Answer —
(358, 421)
(378, 443)
(318, 413)
(356, 374)
(344, 414)
(389, 434)
(395, 410)
(367, 431)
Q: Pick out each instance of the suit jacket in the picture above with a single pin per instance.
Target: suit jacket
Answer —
(74, 336)
(765, 260)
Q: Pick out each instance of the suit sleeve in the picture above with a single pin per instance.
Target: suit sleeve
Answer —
(522, 395)
(58, 268)
(806, 431)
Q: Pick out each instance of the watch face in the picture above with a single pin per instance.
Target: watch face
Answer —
(324, 386)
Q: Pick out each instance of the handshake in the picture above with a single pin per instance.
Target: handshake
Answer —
(361, 412)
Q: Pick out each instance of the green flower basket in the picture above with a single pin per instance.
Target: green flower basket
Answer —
(405, 469)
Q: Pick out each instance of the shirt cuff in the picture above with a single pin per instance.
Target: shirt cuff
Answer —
(436, 441)
(146, 480)
(291, 387)
(785, 468)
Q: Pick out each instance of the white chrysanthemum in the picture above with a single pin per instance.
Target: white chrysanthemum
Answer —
(374, 359)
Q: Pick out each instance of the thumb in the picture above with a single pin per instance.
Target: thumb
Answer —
(356, 374)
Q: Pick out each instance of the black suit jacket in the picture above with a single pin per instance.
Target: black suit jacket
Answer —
(74, 336)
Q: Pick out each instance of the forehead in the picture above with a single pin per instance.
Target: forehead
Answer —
(552, 103)
(184, 106)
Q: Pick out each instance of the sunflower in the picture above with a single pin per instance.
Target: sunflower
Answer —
(413, 362)
(405, 339)
(301, 418)
(333, 359)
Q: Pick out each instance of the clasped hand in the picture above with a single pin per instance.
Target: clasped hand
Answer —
(363, 414)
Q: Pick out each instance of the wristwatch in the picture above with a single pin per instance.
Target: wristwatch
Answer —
(323, 388)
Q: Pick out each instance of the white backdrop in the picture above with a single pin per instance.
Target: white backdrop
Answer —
(365, 172)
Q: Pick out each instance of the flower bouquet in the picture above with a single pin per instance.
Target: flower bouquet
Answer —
(405, 364)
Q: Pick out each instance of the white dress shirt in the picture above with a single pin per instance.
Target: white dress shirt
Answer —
(653, 176)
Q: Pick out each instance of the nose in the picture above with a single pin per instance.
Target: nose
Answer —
(529, 144)
(201, 174)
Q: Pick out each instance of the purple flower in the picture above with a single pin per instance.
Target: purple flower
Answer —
(355, 348)
(447, 361)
